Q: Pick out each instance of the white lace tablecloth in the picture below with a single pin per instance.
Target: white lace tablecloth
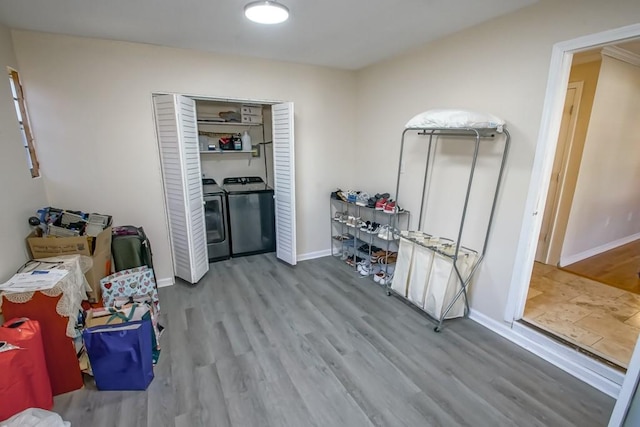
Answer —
(73, 287)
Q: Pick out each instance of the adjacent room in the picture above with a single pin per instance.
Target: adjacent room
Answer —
(586, 279)
(319, 213)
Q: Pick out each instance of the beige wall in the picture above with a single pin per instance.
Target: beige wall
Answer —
(91, 104)
(499, 67)
(21, 195)
(606, 203)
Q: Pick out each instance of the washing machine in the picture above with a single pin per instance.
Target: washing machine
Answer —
(252, 222)
(216, 220)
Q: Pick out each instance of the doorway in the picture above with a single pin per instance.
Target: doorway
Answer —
(562, 56)
(596, 316)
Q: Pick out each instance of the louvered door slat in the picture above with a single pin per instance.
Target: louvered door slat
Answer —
(284, 182)
(177, 134)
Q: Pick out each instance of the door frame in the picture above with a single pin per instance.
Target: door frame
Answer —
(560, 67)
(559, 192)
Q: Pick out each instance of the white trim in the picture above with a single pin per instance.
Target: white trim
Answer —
(313, 255)
(583, 367)
(629, 388)
(568, 260)
(559, 69)
(622, 55)
(166, 281)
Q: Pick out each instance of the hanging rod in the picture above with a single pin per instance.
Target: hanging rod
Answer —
(454, 133)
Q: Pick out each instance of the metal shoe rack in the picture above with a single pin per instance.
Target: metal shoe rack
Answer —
(360, 237)
(435, 136)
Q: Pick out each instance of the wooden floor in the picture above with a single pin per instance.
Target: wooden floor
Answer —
(618, 267)
(259, 343)
(591, 315)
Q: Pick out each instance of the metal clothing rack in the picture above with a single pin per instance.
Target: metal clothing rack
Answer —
(478, 134)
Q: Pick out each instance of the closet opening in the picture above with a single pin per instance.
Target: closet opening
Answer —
(229, 179)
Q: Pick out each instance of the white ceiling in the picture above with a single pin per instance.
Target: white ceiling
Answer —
(345, 34)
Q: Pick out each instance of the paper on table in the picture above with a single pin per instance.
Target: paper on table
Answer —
(35, 280)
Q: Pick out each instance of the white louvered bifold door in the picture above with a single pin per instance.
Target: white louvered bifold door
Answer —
(180, 158)
(284, 182)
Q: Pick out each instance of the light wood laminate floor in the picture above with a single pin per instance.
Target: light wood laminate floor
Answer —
(591, 315)
(258, 343)
(617, 267)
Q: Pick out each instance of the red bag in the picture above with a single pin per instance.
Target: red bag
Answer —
(24, 382)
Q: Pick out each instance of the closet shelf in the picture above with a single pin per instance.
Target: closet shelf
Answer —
(227, 151)
(204, 122)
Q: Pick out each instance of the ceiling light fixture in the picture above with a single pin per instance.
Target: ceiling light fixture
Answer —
(266, 12)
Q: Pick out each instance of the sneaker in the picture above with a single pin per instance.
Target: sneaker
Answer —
(389, 207)
(352, 196)
(387, 233)
(364, 270)
(378, 276)
(380, 204)
(387, 279)
(362, 199)
(375, 228)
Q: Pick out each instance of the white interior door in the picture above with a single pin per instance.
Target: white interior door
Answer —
(553, 223)
(284, 181)
(180, 158)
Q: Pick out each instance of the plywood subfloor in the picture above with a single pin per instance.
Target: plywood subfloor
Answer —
(618, 267)
(596, 317)
(259, 343)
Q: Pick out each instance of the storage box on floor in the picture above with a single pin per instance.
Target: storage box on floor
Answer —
(98, 248)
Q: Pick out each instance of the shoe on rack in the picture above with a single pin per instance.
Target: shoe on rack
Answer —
(365, 226)
(364, 269)
(389, 258)
(375, 228)
(341, 195)
(378, 276)
(352, 196)
(362, 199)
(388, 233)
(380, 204)
(389, 207)
(388, 278)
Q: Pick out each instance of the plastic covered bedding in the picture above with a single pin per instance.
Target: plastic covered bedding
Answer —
(452, 119)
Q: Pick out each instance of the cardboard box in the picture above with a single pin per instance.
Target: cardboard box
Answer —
(98, 248)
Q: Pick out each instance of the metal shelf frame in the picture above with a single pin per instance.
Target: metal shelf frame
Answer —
(360, 237)
(477, 135)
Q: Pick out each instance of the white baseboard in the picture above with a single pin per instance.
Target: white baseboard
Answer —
(571, 259)
(313, 255)
(583, 367)
(166, 281)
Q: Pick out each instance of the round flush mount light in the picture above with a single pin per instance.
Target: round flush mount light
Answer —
(266, 12)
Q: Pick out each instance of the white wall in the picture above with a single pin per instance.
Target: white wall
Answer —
(606, 203)
(499, 67)
(21, 195)
(91, 103)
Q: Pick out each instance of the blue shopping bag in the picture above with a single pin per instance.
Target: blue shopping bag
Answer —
(120, 355)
